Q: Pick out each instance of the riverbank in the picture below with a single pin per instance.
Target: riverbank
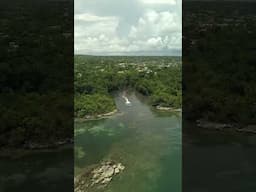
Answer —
(97, 117)
(126, 139)
(30, 148)
(228, 127)
(170, 109)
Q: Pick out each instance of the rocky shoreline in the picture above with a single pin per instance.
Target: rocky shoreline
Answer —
(225, 127)
(171, 109)
(36, 146)
(98, 177)
(97, 117)
(29, 148)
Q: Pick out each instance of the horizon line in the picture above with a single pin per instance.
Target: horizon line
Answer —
(128, 55)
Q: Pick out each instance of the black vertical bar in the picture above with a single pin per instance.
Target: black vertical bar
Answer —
(36, 94)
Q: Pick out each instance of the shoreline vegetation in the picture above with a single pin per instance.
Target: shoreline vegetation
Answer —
(97, 78)
(115, 112)
(37, 94)
(98, 116)
(219, 72)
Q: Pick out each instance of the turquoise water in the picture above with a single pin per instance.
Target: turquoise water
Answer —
(146, 142)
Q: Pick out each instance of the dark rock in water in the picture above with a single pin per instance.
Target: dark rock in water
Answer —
(248, 129)
(226, 127)
(99, 176)
(213, 125)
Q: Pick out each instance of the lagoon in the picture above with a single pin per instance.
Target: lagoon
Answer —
(147, 142)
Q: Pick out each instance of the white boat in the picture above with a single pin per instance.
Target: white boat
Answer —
(127, 102)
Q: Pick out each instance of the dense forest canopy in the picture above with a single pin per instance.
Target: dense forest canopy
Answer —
(219, 62)
(36, 83)
(96, 78)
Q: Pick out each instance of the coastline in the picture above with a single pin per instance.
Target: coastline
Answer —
(227, 127)
(12, 152)
(97, 117)
(30, 148)
(169, 109)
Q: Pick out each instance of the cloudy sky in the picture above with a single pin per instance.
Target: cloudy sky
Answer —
(128, 27)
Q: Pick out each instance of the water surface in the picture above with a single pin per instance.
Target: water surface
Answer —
(146, 142)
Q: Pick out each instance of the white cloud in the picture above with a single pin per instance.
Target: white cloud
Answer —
(91, 18)
(152, 31)
(87, 25)
(156, 24)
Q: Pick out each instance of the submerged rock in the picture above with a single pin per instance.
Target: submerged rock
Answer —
(99, 176)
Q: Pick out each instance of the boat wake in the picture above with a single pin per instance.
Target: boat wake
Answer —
(127, 102)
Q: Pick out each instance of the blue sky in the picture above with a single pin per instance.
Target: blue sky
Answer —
(128, 27)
